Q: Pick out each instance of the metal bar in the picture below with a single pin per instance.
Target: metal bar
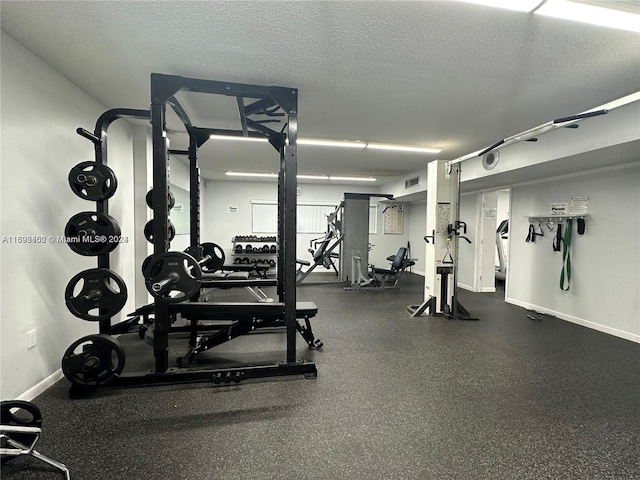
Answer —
(260, 105)
(177, 108)
(160, 219)
(194, 192)
(243, 117)
(290, 164)
(580, 116)
(192, 375)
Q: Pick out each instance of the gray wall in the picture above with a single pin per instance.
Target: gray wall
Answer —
(40, 111)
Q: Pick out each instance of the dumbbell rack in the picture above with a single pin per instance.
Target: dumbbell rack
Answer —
(243, 245)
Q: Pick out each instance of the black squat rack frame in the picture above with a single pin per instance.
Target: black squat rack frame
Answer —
(270, 101)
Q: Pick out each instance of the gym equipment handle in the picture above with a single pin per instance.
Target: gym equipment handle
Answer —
(173, 277)
(93, 295)
(87, 134)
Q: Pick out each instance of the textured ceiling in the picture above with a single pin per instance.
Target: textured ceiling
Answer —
(422, 73)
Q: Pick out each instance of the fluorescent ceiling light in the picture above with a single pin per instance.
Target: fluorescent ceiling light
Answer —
(400, 148)
(592, 14)
(353, 179)
(313, 177)
(336, 143)
(252, 174)
(519, 5)
(331, 143)
(238, 138)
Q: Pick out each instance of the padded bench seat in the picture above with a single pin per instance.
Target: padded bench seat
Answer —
(240, 311)
(232, 282)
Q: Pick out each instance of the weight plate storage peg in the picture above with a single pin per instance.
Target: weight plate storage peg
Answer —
(93, 181)
(173, 276)
(101, 295)
(171, 200)
(93, 361)
(92, 233)
(148, 231)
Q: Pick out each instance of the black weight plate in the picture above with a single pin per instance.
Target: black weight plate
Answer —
(93, 181)
(148, 231)
(217, 256)
(92, 233)
(20, 414)
(93, 361)
(102, 289)
(149, 199)
(173, 276)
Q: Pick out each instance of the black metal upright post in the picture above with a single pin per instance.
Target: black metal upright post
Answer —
(160, 215)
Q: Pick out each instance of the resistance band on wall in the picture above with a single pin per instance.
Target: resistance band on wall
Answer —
(566, 256)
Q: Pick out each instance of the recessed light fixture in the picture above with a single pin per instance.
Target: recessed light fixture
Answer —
(519, 5)
(595, 15)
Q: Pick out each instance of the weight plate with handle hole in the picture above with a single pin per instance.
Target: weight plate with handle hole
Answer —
(171, 200)
(217, 257)
(93, 361)
(19, 413)
(102, 289)
(92, 233)
(93, 181)
(148, 231)
(173, 276)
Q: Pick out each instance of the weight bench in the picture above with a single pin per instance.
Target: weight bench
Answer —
(239, 279)
(19, 434)
(389, 277)
(244, 317)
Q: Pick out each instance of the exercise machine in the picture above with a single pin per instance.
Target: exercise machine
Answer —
(501, 234)
(441, 250)
(324, 250)
(389, 277)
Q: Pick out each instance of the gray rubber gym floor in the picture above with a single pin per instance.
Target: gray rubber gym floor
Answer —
(396, 398)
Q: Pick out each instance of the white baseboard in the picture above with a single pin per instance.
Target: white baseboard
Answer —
(41, 387)
(580, 321)
(488, 289)
(465, 286)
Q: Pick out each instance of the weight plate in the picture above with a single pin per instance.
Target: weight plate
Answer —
(102, 294)
(148, 231)
(92, 233)
(93, 181)
(171, 200)
(19, 413)
(217, 257)
(93, 361)
(173, 276)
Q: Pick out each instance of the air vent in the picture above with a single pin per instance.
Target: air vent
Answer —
(412, 182)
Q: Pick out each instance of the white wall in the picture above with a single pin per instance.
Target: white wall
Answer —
(417, 229)
(466, 251)
(604, 292)
(220, 227)
(39, 114)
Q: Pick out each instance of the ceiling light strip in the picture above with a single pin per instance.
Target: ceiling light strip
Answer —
(592, 14)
